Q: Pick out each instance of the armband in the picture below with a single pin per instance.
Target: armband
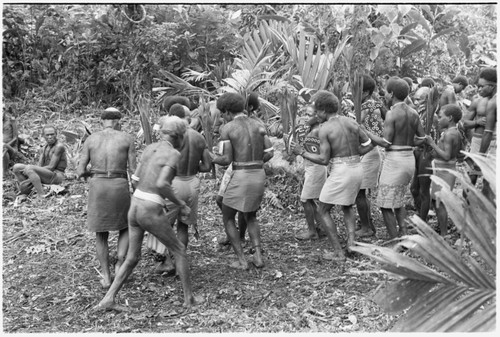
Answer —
(388, 142)
(366, 143)
(488, 131)
(269, 149)
(134, 177)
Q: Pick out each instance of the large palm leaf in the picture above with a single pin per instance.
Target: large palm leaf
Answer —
(451, 292)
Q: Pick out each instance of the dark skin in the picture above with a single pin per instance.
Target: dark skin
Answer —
(482, 117)
(156, 172)
(47, 164)
(194, 158)
(448, 148)
(310, 206)
(362, 202)
(401, 125)
(245, 140)
(339, 137)
(421, 183)
(108, 150)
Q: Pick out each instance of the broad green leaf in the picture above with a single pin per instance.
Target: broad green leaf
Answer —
(427, 9)
(404, 9)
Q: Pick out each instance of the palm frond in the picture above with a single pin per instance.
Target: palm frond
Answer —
(143, 106)
(458, 294)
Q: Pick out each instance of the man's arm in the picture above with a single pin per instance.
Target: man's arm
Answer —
(132, 159)
(268, 149)
(388, 129)
(227, 152)
(447, 143)
(81, 170)
(323, 156)
(365, 142)
(490, 126)
(56, 157)
(468, 119)
(167, 174)
(206, 162)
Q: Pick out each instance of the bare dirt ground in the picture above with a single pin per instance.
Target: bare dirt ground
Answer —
(51, 280)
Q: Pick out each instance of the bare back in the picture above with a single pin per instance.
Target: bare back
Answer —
(110, 150)
(343, 135)
(451, 142)
(155, 158)
(192, 152)
(247, 138)
(401, 125)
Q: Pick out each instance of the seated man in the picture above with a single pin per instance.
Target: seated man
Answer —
(9, 141)
(51, 166)
(149, 212)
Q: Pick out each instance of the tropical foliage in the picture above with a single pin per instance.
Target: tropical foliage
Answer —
(442, 289)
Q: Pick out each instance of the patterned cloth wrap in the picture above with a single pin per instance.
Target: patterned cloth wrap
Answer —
(373, 122)
(448, 177)
(314, 174)
(344, 181)
(398, 169)
(108, 204)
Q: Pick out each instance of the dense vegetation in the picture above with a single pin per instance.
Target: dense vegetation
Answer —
(62, 63)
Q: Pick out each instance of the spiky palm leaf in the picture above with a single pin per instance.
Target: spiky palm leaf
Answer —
(458, 294)
(179, 86)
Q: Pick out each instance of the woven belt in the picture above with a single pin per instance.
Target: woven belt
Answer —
(247, 167)
(109, 174)
(409, 148)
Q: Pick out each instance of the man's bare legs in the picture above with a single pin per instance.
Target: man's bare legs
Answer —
(121, 248)
(311, 216)
(390, 222)
(228, 214)
(363, 206)
(392, 219)
(254, 232)
(103, 257)
(350, 223)
(153, 222)
(331, 229)
(36, 174)
(242, 225)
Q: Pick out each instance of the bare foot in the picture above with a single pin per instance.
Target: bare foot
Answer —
(104, 306)
(307, 236)
(223, 241)
(336, 255)
(238, 265)
(364, 233)
(195, 300)
(258, 262)
(105, 283)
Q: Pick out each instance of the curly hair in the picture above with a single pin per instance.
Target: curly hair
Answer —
(171, 100)
(177, 110)
(325, 100)
(399, 88)
(231, 102)
(489, 74)
(253, 100)
(427, 82)
(368, 84)
(452, 110)
(461, 80)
